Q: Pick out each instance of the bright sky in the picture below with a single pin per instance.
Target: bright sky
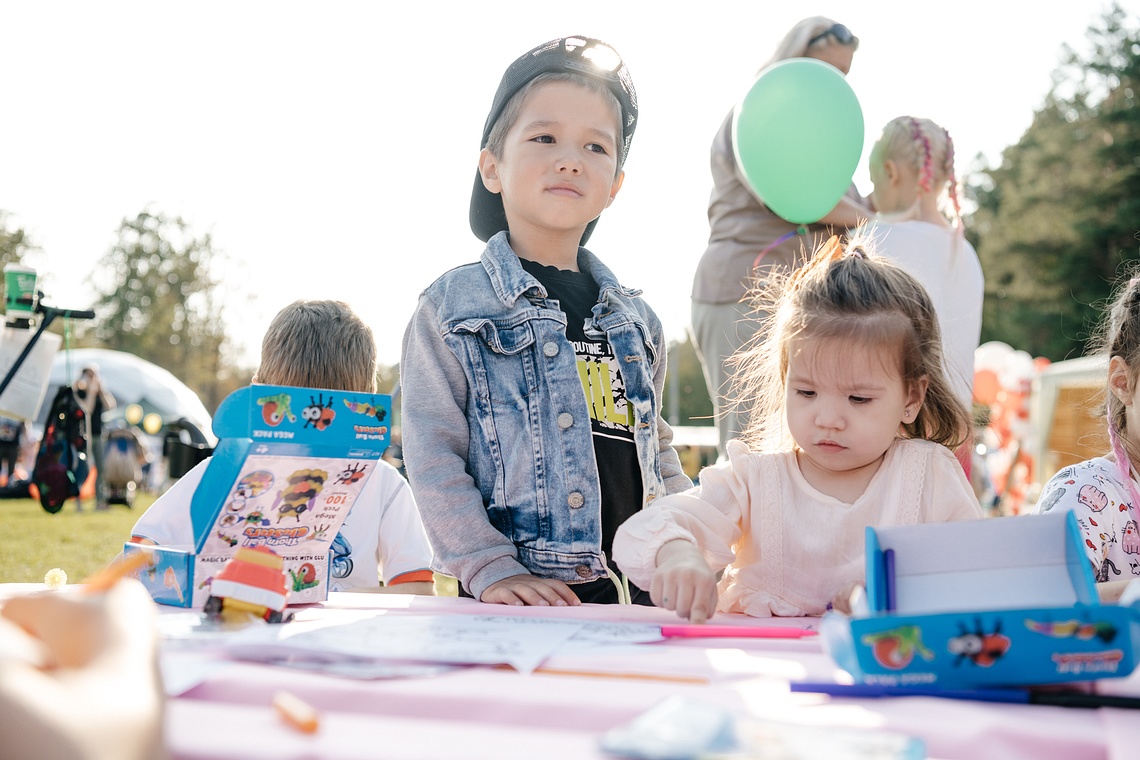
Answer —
(329, 149)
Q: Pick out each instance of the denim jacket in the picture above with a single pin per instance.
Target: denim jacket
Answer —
(496, 430)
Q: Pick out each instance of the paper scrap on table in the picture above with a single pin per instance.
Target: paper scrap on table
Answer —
(520, 642)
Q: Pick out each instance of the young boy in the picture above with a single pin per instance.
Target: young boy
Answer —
(324, 344)
(531, 381)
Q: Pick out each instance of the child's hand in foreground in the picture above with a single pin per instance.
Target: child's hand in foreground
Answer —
(526, 589)
(684, 582)
(92, 689)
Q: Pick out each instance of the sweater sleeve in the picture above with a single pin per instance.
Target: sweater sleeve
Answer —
(436, 439)
(709, 515)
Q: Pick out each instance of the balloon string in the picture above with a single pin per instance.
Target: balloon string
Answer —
(801, 230)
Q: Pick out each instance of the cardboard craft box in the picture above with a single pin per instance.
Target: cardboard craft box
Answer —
(1005, 601)
(289, 465)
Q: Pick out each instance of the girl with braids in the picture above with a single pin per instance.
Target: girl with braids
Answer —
(852, 423)
(919, 226)
(1103, 491)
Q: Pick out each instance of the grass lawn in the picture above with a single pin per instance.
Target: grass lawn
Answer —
(33, 541)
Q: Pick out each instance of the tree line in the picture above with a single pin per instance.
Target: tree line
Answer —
(1055, 224)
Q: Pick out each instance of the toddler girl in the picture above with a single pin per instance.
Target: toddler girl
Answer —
(854, 417)
(1102, 491)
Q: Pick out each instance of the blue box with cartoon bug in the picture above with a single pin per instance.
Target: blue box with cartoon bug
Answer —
(289, 465)
(1007, 601)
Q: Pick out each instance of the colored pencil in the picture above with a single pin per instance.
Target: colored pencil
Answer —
(734, 632)
(1006, 695)
(104, 579)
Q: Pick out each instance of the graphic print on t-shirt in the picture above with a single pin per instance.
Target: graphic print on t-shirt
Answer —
(610, 412)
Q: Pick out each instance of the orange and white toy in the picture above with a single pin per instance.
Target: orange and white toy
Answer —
(252, 581)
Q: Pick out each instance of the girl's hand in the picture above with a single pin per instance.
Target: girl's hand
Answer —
(684, 582)
(527, 590)
(848, 598)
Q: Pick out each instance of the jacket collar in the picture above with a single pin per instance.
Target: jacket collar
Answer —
(511, 281)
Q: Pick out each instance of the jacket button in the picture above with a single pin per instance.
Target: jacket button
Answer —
(583, 571)
(575, 500)
(565, 420)
(650, 497)
(550, 348)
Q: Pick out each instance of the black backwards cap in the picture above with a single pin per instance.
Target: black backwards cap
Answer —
(581, 55)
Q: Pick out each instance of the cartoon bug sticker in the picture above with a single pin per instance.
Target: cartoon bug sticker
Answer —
(896, 648)
(982, 649)
(351, 474)
(303, 577)
(276, 408)
(360, 407)
(300, 493)
(319, 414)
(1074, 629)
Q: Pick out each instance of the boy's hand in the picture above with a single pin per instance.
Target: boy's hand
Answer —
(527, 590)
(684, 582)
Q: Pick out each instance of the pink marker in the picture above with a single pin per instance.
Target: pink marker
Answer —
(734, 632)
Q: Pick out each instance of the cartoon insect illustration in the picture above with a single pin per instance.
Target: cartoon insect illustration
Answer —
(226, 538)
(360, 407)
(299, 494)
(1075, 629)
(982, 649)
(896, 648)
(319, 414)
(303, 577)
(351, 474)
(320, 533)
(276, 408)
(256, 517)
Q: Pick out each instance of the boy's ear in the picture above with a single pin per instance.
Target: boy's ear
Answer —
(620, 178)
(1120, 380)
(489, 171)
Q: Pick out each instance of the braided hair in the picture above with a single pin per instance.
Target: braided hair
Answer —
(928, 147)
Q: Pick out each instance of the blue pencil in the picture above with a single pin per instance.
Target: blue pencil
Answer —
(1009, 696)
(889, 578)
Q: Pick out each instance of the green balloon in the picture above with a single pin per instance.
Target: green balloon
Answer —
(798, 136)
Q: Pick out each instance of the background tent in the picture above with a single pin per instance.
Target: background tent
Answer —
(132, 380)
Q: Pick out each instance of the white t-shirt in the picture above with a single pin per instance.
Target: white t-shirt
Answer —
(383, 534)
(786, 548)
(1095, 491)
(948, 267)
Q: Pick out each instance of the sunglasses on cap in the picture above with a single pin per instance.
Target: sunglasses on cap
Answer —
(841, 34)
(591, 56)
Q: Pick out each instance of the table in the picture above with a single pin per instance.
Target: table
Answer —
(494, 712)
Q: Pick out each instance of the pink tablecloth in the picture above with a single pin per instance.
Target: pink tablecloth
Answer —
(485, 712)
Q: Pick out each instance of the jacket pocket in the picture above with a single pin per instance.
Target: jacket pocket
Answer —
(500, 339)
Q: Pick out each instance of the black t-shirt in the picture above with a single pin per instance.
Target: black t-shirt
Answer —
(611, 416)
